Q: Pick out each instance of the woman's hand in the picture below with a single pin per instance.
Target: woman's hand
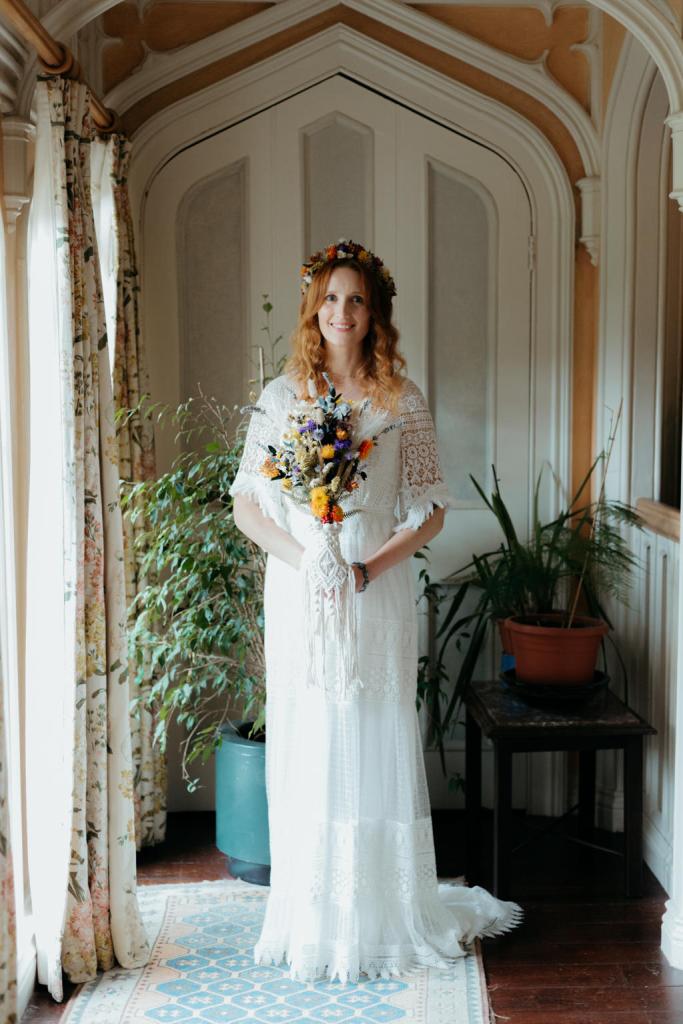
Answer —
(308, 551)
(404, 543)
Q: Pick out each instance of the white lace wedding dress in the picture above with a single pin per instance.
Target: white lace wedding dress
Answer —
(353, 876)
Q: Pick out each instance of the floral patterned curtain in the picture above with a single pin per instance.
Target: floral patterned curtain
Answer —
(136, 464)
(97, 921)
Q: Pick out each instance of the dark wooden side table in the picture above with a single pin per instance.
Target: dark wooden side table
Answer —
(603, 722)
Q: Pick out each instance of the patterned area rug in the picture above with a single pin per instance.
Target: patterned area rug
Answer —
(202, 970)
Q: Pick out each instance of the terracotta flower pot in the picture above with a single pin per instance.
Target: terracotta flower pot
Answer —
(548, 653)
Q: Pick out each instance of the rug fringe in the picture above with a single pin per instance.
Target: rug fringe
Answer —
(235, 883)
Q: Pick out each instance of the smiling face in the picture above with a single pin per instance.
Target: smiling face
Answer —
(344, 317)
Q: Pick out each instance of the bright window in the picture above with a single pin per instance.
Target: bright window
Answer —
(9, 676)
(104, 210)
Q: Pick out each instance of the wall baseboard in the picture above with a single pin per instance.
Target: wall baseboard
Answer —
(672, 935)
(658, 854)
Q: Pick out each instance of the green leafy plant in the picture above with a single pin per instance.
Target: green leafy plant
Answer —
(198, 622)
(583, 545)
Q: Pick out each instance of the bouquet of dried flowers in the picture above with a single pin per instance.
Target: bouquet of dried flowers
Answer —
(316, 462)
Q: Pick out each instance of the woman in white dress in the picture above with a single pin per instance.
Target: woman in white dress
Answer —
(353, 876)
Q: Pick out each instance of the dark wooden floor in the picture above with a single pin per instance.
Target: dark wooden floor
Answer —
(584, 955)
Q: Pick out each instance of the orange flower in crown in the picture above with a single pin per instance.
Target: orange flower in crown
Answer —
(345, 249)
(364, 449)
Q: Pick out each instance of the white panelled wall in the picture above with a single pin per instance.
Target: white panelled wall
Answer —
(639, 363)
(672, 924)
(646, 633)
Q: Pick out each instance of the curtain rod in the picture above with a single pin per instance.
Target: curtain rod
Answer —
(55, 57)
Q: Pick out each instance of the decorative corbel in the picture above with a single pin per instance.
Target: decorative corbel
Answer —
(675, 123)
(590, 216)
(18, 139)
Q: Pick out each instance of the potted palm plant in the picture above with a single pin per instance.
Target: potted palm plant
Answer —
(531, 588)
(198, 622)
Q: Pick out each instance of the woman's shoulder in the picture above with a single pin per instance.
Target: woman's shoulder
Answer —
(411, 396)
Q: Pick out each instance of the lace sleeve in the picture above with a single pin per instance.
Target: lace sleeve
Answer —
(265, 427)
(422, 484)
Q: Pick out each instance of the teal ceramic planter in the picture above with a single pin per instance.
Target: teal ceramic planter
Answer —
(507, 661)
(241, 804)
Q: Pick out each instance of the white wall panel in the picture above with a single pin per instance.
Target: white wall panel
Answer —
(462, 246)
(338, 182)
(212, 286)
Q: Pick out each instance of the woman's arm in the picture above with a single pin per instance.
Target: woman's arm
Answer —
(265, 532)
(276, 541)
(401, 545)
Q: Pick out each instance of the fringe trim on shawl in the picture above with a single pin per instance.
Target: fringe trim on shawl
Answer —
(331, 620)
(419, 511)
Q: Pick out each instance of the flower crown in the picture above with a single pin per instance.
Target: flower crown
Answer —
(345, 249)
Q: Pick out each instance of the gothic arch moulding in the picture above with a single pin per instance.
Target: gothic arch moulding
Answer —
(650, 21)
(523, 146)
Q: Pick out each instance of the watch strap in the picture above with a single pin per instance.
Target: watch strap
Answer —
(366, 577)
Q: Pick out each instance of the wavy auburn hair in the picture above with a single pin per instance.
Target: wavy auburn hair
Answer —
(381, 361)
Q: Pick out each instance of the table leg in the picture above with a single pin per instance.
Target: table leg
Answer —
(473, 797)
(586, 792)
(502, 819)
(633, 814)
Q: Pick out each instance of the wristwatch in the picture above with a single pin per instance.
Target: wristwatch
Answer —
(366, 578)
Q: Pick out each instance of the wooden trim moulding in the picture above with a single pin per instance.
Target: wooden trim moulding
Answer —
(659, 518)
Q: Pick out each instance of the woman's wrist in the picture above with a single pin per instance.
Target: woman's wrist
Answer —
(363, 570)
(374, 570)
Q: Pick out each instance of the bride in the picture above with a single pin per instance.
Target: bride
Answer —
(353, 875)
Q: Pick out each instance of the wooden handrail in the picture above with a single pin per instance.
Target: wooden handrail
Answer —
(54, 57)
(660, 518)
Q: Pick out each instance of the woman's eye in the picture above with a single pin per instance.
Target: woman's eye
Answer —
(358, 299)
(328, 298)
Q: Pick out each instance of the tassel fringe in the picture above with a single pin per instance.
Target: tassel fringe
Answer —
(329, 610)
(324, 969)
(506, 923)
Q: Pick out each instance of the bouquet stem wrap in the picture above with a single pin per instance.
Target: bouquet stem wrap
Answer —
(330, 613)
